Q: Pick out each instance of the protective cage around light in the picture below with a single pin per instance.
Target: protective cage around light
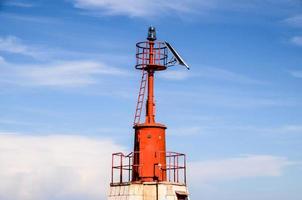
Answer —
(159, 52)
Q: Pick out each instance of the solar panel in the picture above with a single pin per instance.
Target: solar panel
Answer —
(178, 58)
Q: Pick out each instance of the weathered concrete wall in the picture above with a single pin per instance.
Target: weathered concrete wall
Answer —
(146, 191)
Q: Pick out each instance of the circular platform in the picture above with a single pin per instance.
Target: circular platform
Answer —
(151, 67)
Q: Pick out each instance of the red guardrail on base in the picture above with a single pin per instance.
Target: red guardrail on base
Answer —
(122, 165)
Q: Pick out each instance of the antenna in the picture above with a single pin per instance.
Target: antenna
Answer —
(177, 57)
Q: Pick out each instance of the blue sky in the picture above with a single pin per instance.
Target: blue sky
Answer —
(68, 84)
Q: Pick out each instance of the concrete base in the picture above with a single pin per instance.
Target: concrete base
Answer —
(148, 191)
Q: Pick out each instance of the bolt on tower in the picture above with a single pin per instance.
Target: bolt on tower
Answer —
(149, 172)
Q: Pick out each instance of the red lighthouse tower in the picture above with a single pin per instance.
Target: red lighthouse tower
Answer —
(150, 172)
(150, 143)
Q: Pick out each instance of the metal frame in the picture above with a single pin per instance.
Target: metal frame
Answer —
(159, 52)
(122, 165)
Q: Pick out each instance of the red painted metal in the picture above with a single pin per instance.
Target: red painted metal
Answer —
(148, 162)
(150, 57)
(123, 167)
(141, 97)
(150, 136)
(149, 141)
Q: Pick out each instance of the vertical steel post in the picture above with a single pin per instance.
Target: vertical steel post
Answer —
(129, 157)
(185, 170)
(112, 167)
(150, 116)
(177, 168)
(174, 166)
(121, 169)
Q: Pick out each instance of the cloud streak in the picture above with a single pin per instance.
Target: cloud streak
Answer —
(77, 167)
(237, 168)
(135, 8)
(296, 73)
(19, 4)
(14, 45)
(177, 75)
(295, 21)
(297, 40)
(222, 74)
(54, 167)
(146, 8)
(210, 73)
(28, 18)
(59, 74)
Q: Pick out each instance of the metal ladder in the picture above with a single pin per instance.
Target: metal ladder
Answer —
(141, 97)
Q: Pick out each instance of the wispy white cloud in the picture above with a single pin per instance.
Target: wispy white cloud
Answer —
(135, 8)
(222, 97)
(210, 73)
(185, 131)
(297, 40)
(237, 168)
(145, 8)
(210, 127)
(295, 21)
(59, 74)
(69, 167)
(256, 129)
(14, 45)
(43, 71)
(28, 18)
(21, 4)
(293, 128)
(2, 60)
(226, 75)
(54, 167)
(17, 46)
(296, 73)
(175, 75)
(13, 122)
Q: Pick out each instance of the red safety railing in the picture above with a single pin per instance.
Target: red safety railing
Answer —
(176, 167)
(122, 167)
(159, 54)
(121, 171)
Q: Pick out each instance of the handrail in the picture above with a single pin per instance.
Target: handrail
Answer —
(122, 167)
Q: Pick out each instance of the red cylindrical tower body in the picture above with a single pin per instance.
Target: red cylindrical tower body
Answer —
(149, 163)
(150, 152)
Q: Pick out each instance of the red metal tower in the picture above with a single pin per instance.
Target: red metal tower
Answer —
(150, 137)
(150, 162)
